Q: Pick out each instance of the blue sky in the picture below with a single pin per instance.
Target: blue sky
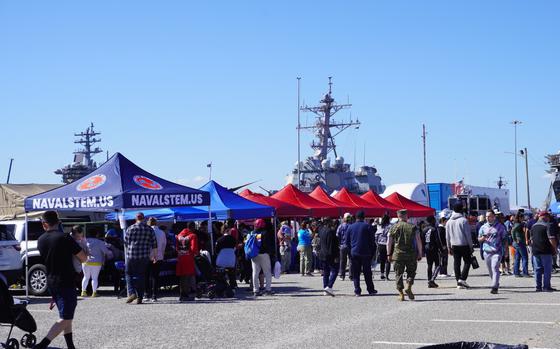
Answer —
(174, 85)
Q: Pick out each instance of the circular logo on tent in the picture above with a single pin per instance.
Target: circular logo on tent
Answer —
(147, 183)
(92, 182)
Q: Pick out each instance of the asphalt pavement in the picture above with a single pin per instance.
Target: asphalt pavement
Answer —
(299, 315)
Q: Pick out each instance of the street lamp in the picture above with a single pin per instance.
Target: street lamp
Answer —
(515, 123)
(524, 153)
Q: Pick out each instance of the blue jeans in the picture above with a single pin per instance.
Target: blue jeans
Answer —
(135, 273)
(520, 255)
(330, 272)
(543, 270)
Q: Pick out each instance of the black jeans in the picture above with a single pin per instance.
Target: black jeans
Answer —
(152, 279)
(362, 264)
(432, 258)
(461, 253)
(344, 256)
(384, 265)
(443, 265)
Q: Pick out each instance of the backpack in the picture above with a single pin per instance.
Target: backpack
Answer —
(252, 246)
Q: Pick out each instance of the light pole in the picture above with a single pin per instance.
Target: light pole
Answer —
(524, 153)
(515, 123)
(298, 134)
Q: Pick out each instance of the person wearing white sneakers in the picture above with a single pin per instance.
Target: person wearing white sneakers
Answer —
(459, 244)
(328, 255)
(97, 252)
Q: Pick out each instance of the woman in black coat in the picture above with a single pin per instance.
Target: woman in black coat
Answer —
(328, 255)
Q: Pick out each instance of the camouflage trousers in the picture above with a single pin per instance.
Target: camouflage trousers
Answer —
(408, 265)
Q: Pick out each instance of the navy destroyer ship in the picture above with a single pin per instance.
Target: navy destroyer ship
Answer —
(319, 169)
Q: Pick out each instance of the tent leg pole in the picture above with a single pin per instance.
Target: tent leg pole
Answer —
(210, 231)
(26, 257)
(123, 227)
(277, 248)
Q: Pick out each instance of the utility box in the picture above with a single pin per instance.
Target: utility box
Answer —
(439, 195)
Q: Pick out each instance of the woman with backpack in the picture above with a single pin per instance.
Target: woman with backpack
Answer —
(261, 248)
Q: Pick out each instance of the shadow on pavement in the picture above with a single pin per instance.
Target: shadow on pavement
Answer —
(460, 300)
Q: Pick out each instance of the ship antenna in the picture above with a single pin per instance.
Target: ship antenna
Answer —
(330, 85)
(365, 153)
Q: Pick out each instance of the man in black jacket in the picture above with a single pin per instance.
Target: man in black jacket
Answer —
(432, 249)
(328, 255)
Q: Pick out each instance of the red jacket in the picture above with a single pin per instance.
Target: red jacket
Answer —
(187, 248)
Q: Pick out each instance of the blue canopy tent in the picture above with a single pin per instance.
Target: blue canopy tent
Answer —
(165, 214)
(118, 184)
(228, 205)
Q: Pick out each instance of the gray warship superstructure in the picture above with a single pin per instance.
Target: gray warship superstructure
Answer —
(318, 170)
(554, 171)
(83, 163)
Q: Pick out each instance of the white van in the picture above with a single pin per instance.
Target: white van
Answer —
(37, 270)
(11, 266)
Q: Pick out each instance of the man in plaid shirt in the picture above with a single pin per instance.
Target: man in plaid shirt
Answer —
(141, 248)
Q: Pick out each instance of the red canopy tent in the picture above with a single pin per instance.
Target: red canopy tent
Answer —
(414, 209)
(320, 194)
(282, 209)
(293, 196)
(374, 198)
(369, 209)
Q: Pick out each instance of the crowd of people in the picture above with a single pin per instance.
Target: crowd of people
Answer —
(254, 252)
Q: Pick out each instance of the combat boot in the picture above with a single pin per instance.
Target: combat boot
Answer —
(400, 297)
(409, 293)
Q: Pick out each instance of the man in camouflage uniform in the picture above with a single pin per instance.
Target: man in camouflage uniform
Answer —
(404, 247)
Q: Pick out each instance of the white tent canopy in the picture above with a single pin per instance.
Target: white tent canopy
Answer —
(414, 191)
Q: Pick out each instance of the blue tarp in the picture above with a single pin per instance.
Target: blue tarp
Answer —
(226, 204)
(165, 214)
(117, 184)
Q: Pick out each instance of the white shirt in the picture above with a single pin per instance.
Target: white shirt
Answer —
(161, 242)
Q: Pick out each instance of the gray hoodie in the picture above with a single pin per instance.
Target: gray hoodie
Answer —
(458, 231)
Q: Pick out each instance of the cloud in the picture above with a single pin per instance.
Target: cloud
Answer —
(196, 181)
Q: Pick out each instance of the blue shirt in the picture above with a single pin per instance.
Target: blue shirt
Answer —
(495, 234)
(341, 233)
(114, 233)
(304, 237)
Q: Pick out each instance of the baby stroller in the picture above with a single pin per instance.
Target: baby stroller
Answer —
(211, 282)
(120, 283)
(16, 315)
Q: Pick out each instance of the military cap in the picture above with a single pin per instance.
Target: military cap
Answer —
(402, 212)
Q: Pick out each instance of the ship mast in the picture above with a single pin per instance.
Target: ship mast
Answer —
(554, 171)
(324, 123)
(83, 163)
(87, 139)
